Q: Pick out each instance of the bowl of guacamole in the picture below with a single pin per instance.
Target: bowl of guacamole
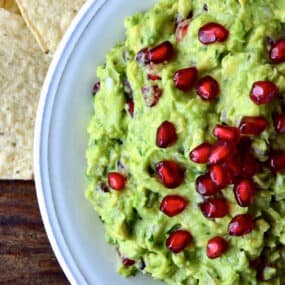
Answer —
(180, 176)
(186, 153)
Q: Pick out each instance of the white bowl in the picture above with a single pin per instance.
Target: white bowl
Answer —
(65, 107)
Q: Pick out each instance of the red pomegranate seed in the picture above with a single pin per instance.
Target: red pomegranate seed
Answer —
(249, 165)
(131, 107)
(253, 125)
(151, 95)
(201, 153)
(184, 79)
(277, 52)
(181, 29)
(214, 208)
(205, 186)
(127, 261)
(143, 56)
(96, 88)
(279, 123)
(153, 77)
(208, 88)
(116, 180)
(212, 33)
(277, 162)
(227, 133)
(233, 166)
(220, 175)
(241, 225)
(166, 135)
(244, 191)
(263, 92)
(178, 240)
(170, 173)
(161, 53)
(220, 152)
(173, 205)
(216, 247)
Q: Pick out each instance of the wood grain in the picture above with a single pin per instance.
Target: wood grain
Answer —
(25, 253)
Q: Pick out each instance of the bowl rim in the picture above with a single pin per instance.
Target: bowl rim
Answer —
(40, 145)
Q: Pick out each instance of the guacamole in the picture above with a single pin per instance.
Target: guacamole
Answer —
(186, 152)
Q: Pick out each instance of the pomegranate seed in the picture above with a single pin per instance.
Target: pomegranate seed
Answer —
(249, 165)
(220, 151)
(214, 208)
(151, 95)
(162, 52)
(279, 123)
(277, 162)
(201, 153)
(208, 88)
(131, 107)
(263, 92)
(184, 79)
(181, 29)
(233, 167)
(205, 186)
(143, 56)
(212, 33)
(220, 175)
(244, 192)
(227, 133)
(153, 77)
(216, 247)
(96, 88)
(116, 180)
(178, 240)
(128, 262)
(170, 173)
(241, 225)
(277, 52)
(253, 125)
(173, 205)
(166, 135)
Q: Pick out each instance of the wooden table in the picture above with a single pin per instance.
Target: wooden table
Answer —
(25, 253)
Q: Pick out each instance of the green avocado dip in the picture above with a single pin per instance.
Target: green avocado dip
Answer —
(186, 153)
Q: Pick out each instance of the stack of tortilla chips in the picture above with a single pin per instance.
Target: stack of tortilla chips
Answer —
(30, 31)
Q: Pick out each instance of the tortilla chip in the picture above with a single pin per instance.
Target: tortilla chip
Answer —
(22, 70)
(10, 5)
(49, 19)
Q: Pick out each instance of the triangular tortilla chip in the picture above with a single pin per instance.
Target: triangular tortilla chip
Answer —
(22, 70)
(49, 19)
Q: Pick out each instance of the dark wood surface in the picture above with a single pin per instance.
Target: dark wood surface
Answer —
(25, 253)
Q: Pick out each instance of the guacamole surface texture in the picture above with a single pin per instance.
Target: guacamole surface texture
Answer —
(137, 93)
